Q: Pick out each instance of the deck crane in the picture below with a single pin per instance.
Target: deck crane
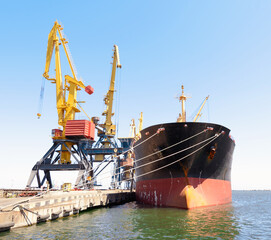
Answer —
(199, 112)
(182, 99)
(182, 116)
(140, 126)
(132, 133)
(65, 145)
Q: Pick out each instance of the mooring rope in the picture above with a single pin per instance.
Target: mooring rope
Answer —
(161, 149)
(185, 149)
(159, 159)
(173, 145)
(160, 129)
(180, 159)
(165, 156)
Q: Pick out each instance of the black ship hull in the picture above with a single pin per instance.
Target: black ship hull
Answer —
(185, 165)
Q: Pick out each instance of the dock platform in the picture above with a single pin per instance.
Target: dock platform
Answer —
(26, 211)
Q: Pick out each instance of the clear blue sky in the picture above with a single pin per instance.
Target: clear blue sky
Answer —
(216, 48)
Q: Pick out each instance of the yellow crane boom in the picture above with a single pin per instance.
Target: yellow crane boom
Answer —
(110, 128)
(66, 109)
(199, 114)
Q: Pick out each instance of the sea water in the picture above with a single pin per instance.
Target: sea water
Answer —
(247, 217)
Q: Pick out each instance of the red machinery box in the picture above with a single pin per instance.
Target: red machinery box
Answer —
(80, 128)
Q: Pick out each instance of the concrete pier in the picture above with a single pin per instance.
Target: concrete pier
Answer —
(26, 211)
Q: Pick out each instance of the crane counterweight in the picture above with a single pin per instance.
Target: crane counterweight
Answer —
(89, 89)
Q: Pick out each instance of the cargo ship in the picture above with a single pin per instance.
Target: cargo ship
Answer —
(184, 164)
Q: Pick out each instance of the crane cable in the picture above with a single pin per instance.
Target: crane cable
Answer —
(40, 107)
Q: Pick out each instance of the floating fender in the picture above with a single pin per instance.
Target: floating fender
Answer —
(42, 218)
(75, 210)
(6, 226)
(66, 212)
(55, 215)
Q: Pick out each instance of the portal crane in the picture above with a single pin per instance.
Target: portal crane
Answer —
(106, 144)
(58, 157)
(199, 112)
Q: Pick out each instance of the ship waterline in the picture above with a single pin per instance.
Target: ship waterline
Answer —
(177, 193)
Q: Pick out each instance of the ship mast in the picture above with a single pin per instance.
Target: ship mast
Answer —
(182, 99)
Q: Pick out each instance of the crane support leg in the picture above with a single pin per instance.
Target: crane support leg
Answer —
(35, 171)
(80, 178)
(51, 161)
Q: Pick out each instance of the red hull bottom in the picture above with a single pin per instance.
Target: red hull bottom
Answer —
(183, 193)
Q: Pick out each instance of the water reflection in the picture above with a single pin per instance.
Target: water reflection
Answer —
(204, 223)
